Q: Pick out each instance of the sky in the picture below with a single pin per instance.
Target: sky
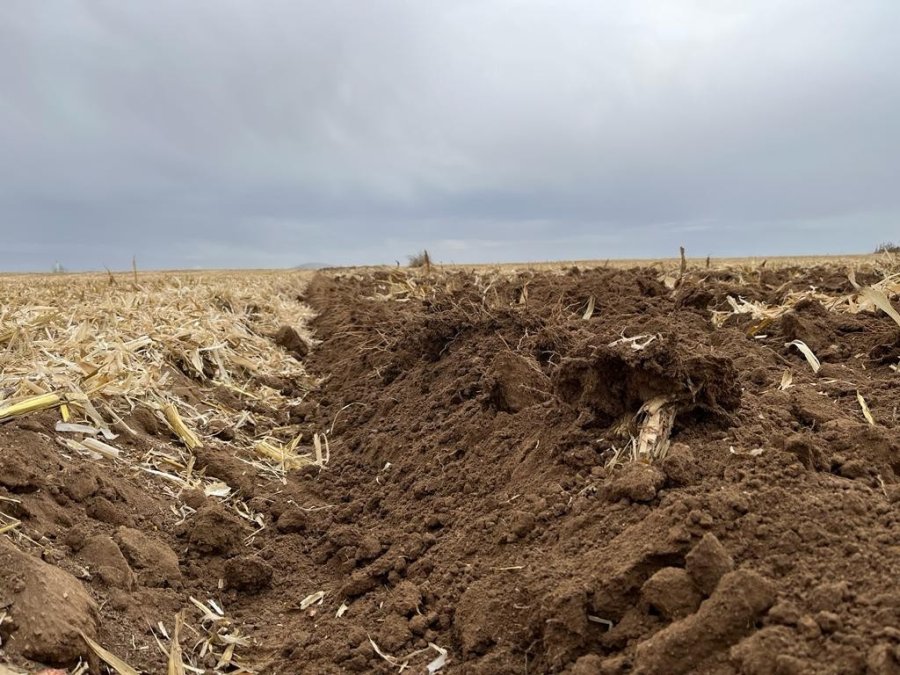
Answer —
(269, 133)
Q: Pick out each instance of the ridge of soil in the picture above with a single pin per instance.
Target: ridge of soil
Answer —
(470, 500)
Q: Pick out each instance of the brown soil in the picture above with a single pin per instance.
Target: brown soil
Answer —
(469, 500)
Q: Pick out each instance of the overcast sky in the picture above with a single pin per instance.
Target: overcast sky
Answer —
(217, 133)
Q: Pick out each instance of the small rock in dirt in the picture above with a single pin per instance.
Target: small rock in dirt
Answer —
(215, 531)
(680, 465)
(671, 592)
(707, 562)
(727, 616)
(47, 608)
(636, 481)
(153, 561)
(290, 341)
(292, 519)
(247, 573)
(105, 560)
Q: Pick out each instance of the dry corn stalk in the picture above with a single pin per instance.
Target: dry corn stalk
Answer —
(656, 419)
(29, 405)
(286, 457)
(176, 664)
(188, 437)
(109, 658)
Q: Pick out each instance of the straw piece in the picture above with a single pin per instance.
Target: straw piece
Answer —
(787, 380)
(807, 352)
(438, 662)
(109, 658)
(188, 437)
(102, 448)
(9, 527)
(865, 409)
(29, 405)
(881, 301)
(658, 415)
(312, 599)
(68, 427)
(589, 311)
(176, 664)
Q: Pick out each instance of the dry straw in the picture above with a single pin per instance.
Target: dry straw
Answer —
(98, 348)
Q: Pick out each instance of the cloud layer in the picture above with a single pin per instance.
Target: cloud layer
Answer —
(217, 133)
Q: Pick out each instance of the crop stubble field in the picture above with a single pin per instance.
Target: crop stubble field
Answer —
(584, 468)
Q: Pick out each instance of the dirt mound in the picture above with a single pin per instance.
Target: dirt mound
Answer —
(476, 447)
(479, 497)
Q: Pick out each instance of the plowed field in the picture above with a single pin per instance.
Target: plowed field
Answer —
(586, 470)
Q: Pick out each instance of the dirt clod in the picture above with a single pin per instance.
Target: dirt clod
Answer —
(104, 558)
(721, 621)
(707, 562)
(680, 465)
(672, 593)
(289, 339)
(247, 573)
(883, 659)
(293, 519)
(636, 481)
(155, 563)
(215, 531)
(47, 609)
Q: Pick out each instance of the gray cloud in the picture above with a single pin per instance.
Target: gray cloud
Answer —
(217, 133)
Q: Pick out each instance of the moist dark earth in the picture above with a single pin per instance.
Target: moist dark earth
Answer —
(472, 500)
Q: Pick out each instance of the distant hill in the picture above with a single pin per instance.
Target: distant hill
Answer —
(311, 266)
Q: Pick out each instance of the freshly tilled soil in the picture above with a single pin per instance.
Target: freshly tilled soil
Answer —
(470, 501)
